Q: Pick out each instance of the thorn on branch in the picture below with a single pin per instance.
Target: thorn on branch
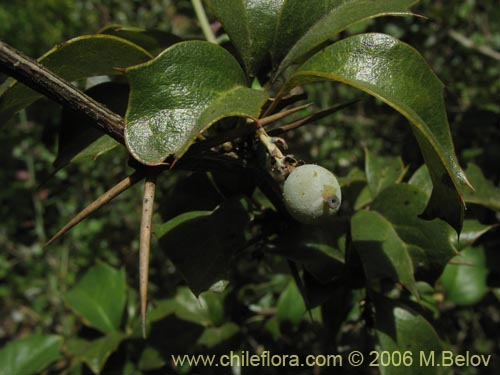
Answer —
(145, 242)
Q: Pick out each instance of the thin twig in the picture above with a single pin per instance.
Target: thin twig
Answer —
(145, 242)
(203, 20)
(307, 120)
(98, 203)
(36, 76)
(469, 43)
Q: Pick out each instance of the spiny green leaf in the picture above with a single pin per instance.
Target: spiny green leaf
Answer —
(29, 355)
(383, 254)
(304, 25)
(395, 73)
(178, 95)
(264, 29)
(485, 192)
(100, 297)
(78, 58)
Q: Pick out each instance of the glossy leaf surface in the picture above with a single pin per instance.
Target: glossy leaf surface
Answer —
(99, 298)
(290, 29)
(395, 73)
(29, 355)
(305, 25)
(175, 97)
(78, 58)
(251, 26)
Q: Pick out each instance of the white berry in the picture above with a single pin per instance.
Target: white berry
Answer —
(312, 194)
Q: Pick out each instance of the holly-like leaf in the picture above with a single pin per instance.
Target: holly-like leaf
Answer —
(399, 329)
(429, 242)
(202, 245)
(99, 298)
(29, 355)
(304, 26)
(250, 26)
(290, 29)
(395, 73)
(153, 41)
(464, 279)
(382, 172)
(178, 95)
(486, 193)
(78, 58)
(78, 139)
(384, 255)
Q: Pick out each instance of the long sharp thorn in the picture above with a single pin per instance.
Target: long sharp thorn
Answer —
(145, 243)
(98, 203)
(278, 116)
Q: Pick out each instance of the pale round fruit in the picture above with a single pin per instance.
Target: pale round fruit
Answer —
(312, 194)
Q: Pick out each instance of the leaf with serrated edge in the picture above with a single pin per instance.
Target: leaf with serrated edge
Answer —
(178, 95)
(78, 58)
(395, 73)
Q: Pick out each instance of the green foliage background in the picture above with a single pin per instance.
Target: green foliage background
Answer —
(33, 280)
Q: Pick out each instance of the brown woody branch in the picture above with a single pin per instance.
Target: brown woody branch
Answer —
(36, 76)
